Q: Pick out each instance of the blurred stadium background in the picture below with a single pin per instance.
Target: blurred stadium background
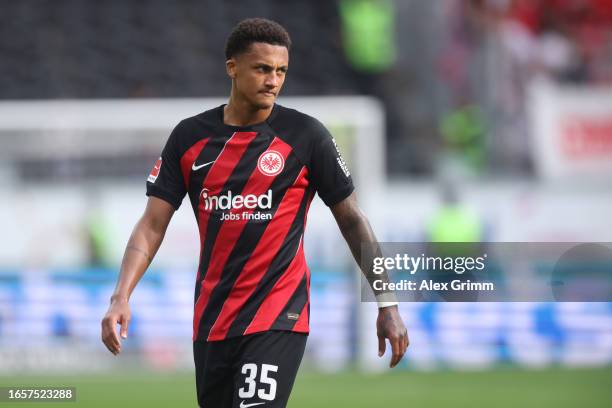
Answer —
(507, 101)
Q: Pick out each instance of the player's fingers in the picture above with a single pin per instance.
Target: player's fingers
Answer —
(403, 346)
(395, 347)
(111, 343)
(106, 337)
(109, 336)
(381, 346)
(108, 342)
(125, 322)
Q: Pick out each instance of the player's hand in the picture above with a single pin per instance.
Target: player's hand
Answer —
(389, 325)
(118, 313)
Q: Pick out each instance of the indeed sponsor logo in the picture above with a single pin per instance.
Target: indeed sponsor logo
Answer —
(230, 201)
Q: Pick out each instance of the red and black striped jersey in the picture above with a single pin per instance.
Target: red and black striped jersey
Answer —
(250, 189)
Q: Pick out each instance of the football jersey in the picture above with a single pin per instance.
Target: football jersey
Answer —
(250, 188)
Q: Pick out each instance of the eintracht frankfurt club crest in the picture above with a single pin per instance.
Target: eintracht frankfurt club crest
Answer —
(270, 163)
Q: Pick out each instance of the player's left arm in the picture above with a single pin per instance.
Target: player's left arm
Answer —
(356, 230)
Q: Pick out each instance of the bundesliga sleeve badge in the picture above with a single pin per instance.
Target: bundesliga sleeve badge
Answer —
(155, 171)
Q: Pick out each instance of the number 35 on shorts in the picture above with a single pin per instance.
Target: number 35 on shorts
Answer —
(263, 384)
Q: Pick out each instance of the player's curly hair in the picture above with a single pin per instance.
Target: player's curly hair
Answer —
(253, 30)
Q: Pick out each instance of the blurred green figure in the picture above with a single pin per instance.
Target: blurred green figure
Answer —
(368, 32)
(453, 221)
(464, 131)
(454, 231)
(98, 239)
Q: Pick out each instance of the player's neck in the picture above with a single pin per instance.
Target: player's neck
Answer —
(241, 113)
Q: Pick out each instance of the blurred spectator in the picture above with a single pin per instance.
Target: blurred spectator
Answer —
(464, 131)
(98, 239)
(98, 233)
(454, 221)
(368, 34)
(455, 230)
(369, 42)
(572, 39)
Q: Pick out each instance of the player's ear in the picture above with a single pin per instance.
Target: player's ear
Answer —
(230, 67)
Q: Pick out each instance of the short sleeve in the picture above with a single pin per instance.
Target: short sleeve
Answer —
(166, 180)
(329, 173)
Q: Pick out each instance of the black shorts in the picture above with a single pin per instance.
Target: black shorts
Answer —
(257, 370)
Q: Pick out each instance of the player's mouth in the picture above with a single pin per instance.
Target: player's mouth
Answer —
(268, 93)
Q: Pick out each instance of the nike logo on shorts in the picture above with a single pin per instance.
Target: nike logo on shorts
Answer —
(243, 405)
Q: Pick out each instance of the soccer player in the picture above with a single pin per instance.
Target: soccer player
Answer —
(250, 168)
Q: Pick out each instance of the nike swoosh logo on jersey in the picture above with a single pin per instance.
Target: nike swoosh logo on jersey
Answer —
(243, 405)
(194, 167)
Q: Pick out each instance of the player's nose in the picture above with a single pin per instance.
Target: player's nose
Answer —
(272, 80)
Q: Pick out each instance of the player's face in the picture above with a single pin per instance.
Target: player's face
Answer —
(259, 73)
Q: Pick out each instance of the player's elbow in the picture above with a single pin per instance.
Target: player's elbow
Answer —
(153, 227)
(352, 220)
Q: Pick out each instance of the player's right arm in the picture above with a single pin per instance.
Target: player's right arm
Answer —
(142, 246)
